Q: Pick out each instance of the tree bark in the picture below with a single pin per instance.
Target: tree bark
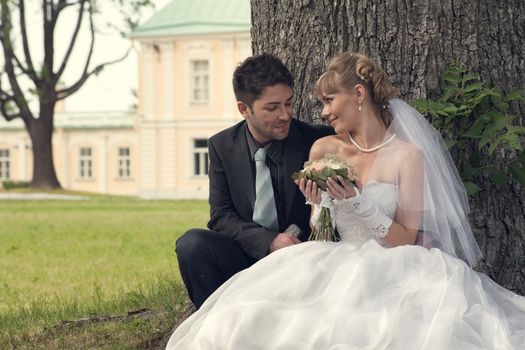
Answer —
(414, 42)
(41, 133)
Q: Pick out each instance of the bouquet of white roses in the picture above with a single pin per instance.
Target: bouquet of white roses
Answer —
(331, 165)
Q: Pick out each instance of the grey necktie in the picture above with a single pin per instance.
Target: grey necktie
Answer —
(264, 211)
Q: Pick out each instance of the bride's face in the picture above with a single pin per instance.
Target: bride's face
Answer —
(340, 109)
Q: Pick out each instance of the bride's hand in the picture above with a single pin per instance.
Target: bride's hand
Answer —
(339, 189)
(310, 190)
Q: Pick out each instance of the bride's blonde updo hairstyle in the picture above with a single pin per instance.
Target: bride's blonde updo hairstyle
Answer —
(349, 69)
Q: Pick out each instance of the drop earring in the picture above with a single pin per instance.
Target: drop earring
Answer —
(359, 108)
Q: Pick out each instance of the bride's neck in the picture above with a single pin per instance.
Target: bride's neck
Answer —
(369, 133)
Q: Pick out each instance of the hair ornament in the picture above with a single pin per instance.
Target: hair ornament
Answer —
(362, 78)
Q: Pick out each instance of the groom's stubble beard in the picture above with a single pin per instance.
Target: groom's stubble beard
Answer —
(275, 130)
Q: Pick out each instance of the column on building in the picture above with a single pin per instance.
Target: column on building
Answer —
(168, 76)
(103, 166)
(147, 125)
(23, 149)
(65, 159)
(227, 69)
(167, 126)
(245, 47)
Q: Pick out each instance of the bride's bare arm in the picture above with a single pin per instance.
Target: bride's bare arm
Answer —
(409, 213)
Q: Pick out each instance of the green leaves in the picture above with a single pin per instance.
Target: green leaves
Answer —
(516, 95)
(471, 188)
(517, 168)
(497, 176)
(473, 87)
(472, 116)
(518, 172)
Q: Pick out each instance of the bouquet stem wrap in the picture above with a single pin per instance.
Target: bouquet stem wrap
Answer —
(323, 227)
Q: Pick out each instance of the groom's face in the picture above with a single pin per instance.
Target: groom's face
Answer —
(270, 115)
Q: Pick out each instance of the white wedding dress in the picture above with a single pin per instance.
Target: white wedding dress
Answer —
(356, 294)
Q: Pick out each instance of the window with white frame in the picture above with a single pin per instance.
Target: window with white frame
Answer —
(200, 157)
(200, 79)
(86, 163)
(5, 164)
(124, 163)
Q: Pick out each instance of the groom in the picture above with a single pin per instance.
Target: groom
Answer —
(253, 199)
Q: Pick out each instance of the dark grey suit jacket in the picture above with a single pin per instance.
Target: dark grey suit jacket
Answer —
(232, 185)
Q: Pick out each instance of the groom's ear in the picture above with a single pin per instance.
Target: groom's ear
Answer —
(243, 109)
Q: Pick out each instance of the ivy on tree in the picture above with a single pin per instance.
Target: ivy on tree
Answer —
(471, 115)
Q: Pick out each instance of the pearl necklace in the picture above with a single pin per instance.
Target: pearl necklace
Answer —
(373, 149)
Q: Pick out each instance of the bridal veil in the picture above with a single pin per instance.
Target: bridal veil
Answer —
(432, 198)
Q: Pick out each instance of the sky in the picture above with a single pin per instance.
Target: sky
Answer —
(112, 89)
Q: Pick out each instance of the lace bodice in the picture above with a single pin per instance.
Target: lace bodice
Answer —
(358, 230)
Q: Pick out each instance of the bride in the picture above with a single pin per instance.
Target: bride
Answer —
(401, 277)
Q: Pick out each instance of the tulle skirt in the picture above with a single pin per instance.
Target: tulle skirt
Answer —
(325, 295)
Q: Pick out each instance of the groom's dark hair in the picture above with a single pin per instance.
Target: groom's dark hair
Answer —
(256, 73)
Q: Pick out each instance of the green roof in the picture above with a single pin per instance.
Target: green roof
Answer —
(187, 17)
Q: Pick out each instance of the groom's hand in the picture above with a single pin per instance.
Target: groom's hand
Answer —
(283, 240)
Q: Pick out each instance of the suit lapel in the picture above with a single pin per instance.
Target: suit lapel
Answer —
(293, 159)
(241, 164)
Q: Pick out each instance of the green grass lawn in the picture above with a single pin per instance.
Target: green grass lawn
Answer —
(61, 260)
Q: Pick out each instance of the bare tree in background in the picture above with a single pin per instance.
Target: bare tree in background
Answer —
(20, 68)
(415, 42)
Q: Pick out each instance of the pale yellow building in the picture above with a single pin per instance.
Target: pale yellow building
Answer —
(187, 54)
(93, 152)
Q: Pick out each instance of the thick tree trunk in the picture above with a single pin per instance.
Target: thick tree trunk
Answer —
(414, 42)
(41, 133)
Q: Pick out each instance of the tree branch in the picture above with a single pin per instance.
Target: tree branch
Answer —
(9, 57)
(30, 68)
(4, 100)
(73, 41)
(22, 67)
(5, 112)
(49, 21)
(62, 4)
(61, 94)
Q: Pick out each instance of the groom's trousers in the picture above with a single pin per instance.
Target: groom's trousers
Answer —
(207, 259)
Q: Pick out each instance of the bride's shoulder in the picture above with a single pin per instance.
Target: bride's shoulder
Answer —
(409, 149)
(407, 154)
(405, 149)
(325, 145)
